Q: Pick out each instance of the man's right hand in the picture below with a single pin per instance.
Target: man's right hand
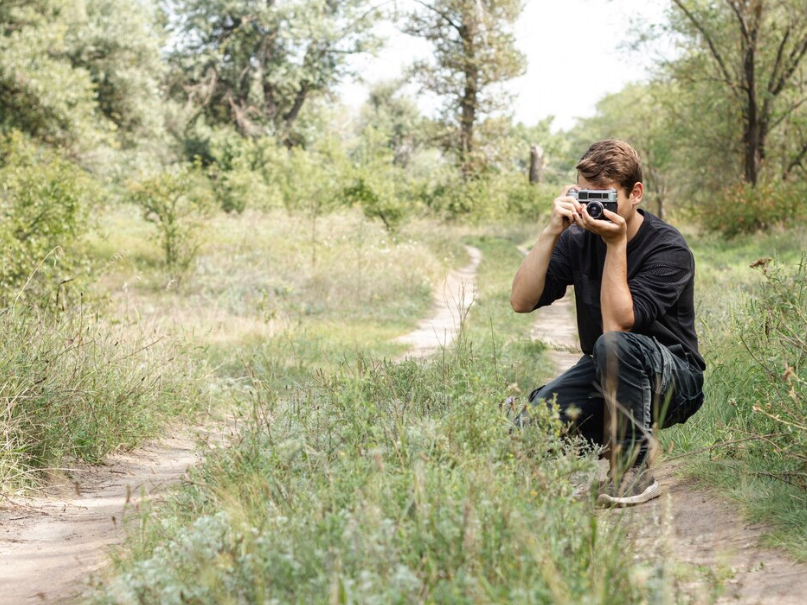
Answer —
(565, 212)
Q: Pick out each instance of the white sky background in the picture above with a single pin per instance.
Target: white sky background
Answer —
(573, 57)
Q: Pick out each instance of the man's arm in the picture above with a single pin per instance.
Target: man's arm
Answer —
(616, 300)
(530, 279)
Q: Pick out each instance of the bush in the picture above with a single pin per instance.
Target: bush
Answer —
(44, 206)
(176, 202)
(375, 200)
(243, 171)
(743, 208)
(492, 197)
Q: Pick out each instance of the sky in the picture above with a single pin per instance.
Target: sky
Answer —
(574, 49)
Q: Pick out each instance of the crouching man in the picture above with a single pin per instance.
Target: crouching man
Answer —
(633, 278)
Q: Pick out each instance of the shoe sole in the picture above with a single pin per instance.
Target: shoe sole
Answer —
(651, 491)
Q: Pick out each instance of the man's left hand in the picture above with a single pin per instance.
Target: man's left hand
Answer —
(613, 232)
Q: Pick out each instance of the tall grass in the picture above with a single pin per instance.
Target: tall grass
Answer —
(386, 483)
(78, 387)
(750, 438)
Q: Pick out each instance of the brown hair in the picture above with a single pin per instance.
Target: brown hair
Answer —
(609, 161)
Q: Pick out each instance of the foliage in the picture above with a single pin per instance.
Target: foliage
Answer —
(744, 208)
(474, 53)
(71, 73)
(77, 388)
(176, 201)
(507, 198)
(511, 153)
(394, 117)
(244, 172)
(753, 53)
(41, 93)
(255, 64)
(118, 44)
(775, 388)
(45, 202)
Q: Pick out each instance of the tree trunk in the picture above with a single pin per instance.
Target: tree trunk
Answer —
(536, 164)
(470, 101)
(752, 139)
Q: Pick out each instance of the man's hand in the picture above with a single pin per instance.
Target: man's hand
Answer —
(614, 232)
(565, 212)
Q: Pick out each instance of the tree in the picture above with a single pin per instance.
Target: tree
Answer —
(394, 117)
(118, 43)
(72, 73)
(474, 52)
(754, 50)
(255, 63)
(41, 94)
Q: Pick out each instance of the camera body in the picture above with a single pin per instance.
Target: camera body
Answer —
(596, 200)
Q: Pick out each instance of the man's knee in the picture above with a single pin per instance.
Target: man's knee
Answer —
(615, 347)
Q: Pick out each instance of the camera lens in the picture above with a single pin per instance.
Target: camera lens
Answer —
(594, 209)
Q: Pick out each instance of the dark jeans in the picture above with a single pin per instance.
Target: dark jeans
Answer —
(647, 384)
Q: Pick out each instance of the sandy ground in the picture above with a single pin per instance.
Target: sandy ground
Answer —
(451, 304)
(689, 524)
(51, 544)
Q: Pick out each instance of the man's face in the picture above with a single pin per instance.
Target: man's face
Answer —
(626, 204)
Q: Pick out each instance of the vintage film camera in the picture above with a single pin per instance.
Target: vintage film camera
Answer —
(596, 200)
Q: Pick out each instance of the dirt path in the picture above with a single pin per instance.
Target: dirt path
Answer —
(451, 304)
(689, 524)
(52, 543)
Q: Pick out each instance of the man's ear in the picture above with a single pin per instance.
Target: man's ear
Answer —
(636, 194)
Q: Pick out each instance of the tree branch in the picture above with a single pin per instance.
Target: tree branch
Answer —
(713, 49)
(795, 57)
(777, 64)
(443, 15)
(740, 19)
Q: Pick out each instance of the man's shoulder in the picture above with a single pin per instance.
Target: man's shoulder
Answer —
(664, 241)
(662, 232)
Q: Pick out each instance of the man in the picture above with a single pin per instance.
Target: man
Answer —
(633, 280)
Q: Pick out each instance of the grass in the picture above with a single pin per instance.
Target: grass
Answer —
(77, 387)
(262, 289)
(364, 480)
(733, 309)
(357, 479)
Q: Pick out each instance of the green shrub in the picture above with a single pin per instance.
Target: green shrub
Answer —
(743, 208)
(376, 201)
(44, 206)
(176, 202)
(491, 197)
(243, 171)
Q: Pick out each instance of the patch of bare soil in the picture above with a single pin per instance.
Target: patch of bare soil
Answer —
(700, 529)
(688, 524)
(452, 300)
(50, 544)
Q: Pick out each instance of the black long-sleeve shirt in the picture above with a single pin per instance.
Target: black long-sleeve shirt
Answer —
(661, 278)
